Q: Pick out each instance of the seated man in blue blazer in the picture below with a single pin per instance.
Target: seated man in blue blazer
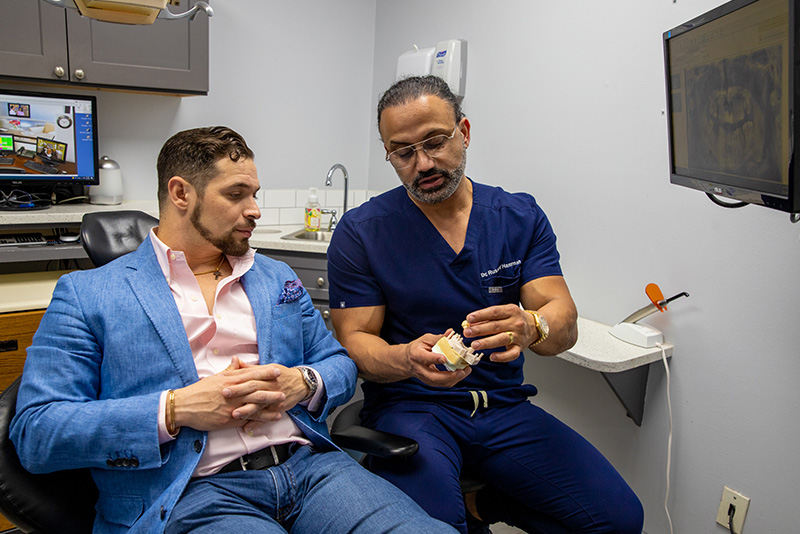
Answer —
(193, 376)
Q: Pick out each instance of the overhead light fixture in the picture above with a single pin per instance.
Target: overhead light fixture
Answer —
(131, 11)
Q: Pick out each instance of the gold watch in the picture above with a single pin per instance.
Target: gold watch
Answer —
(541, 326)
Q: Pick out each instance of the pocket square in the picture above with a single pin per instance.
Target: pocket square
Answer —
(292, 290)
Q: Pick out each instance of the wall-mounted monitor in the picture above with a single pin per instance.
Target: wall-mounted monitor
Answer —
(731, 100)
(53, 143)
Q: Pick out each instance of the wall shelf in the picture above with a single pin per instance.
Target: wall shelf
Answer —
(625, 367)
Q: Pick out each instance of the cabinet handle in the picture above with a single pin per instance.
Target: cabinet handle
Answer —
(79, 74)
(320, 281)
(59, 71)
(326, 314)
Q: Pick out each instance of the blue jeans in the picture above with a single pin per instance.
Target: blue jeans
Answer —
(543, 477)
(312, 492)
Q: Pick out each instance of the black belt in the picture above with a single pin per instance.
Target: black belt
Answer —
(263, 459)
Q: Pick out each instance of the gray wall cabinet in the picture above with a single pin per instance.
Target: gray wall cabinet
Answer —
(42, 42)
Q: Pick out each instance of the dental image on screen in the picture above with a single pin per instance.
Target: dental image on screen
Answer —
(734, 120)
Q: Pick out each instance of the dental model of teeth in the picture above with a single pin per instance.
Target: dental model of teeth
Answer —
(458, 355)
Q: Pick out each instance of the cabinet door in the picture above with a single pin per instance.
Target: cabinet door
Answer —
(169, 55)
(33, 38)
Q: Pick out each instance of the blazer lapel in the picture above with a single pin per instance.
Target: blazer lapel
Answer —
(147, 282)
(259, 295)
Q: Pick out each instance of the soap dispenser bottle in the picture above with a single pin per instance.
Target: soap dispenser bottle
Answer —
(313, 215)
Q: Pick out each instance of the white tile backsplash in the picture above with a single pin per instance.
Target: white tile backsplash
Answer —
(270, 217)
(280, 198)
(291, 215)
(285, 206)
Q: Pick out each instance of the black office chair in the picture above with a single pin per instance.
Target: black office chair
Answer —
(53, 503)
(347, 433)
(106, 235)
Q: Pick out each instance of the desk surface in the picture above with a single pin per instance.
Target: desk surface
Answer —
(27, 291)
(67, 167)
(69, 214)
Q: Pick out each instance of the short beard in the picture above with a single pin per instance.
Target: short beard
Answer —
(451, 181)
(227, 244)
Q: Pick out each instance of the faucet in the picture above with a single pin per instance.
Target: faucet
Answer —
(332, 222)
(346, 178)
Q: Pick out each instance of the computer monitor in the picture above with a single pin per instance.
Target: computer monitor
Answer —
(49, 150)
(54, 145)
(731, 102)
(6, 143)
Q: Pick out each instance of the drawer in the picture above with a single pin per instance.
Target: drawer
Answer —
(16, 335)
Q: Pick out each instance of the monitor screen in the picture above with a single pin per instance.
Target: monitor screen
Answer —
(6, 143)
(19, 110)
(730, 102)
(50, 140)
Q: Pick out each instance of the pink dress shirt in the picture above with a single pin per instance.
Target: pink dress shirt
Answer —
(214, 340)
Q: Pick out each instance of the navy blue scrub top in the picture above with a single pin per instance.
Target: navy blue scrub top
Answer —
(387, 253)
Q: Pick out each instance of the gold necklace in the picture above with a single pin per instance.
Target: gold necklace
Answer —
(216, 271)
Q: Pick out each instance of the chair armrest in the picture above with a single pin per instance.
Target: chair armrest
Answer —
(347, 432)
(375, 442)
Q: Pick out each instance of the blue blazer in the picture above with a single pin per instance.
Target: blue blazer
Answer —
(109, 343)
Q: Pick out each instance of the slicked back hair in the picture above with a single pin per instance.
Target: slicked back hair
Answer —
(193, 155)
(414, 87)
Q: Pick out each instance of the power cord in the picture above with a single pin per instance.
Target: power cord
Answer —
(731, 512)
(724, 204)
(669, 438)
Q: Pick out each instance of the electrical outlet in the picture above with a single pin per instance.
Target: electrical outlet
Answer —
(740, 502)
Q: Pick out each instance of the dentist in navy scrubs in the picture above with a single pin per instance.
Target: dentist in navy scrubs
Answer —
(443, 251)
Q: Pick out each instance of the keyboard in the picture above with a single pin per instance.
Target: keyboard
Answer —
(21, 240)
(6, 161)
(41, 167)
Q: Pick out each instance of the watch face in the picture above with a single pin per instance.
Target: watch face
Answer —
(64, 121)
(544, 325)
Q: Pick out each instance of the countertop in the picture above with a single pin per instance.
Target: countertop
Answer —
(270, 237)
(265, 236)
(28, 291)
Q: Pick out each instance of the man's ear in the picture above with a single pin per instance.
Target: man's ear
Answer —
(181, 192)
(464, 127)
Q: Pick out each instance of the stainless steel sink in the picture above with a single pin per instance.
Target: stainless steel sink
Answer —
(302, 235)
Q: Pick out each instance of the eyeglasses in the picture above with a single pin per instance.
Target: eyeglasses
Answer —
(434, 147)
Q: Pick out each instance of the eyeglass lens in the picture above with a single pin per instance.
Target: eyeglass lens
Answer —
(434, 147)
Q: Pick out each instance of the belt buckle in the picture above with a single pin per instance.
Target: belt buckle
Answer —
(243, 462)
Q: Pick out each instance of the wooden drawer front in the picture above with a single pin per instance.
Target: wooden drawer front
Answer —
(16, 334)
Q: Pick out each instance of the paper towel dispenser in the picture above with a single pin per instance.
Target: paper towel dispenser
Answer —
(448, 60)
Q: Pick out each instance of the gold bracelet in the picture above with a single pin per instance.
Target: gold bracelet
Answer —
(171, 414)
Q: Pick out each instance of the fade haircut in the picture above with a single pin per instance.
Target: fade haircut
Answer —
(414, 87)
(193, 155)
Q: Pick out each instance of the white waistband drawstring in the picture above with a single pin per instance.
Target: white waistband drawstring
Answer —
(477, 400)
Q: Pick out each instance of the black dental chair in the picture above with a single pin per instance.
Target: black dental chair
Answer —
(53, 503)
(107, 235)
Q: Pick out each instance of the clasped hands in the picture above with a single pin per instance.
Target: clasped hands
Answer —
(243, 395)
(506, 326)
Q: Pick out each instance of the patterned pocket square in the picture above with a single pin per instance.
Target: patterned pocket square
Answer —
(292, 290)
